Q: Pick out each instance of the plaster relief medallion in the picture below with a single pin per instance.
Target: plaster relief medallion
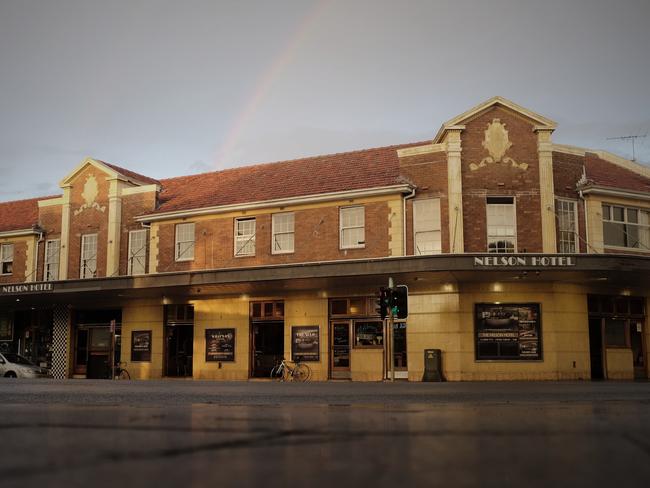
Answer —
(497, 143)
(89, 194)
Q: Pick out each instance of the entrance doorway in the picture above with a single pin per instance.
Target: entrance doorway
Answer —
(399, 350)
(179, 343)
(596, 349)
(636, 342)
(268, 347)
(266, 337)
(178, 354)
(340, 350)
(94, 342)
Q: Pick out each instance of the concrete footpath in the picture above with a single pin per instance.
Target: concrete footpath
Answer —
(198, 433)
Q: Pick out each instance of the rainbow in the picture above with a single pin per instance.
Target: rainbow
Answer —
(263, 85)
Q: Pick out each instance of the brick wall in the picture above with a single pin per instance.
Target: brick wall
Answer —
(19, 263)
(567, 170)
(501, 179)
(49, 218)
(429, 173)
(316, 239)
(89, 221)
(133, 206)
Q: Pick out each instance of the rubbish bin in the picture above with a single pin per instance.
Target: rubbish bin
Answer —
(433, 365)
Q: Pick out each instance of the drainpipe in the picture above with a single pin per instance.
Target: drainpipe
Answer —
(584, 206)
(410, 195)
(38, 243)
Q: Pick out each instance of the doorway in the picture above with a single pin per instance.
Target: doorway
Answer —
(267, 346)
(179, 344)
(399, 350)
(638, 355)
(596, 349)
(96, 338)
(340, 350)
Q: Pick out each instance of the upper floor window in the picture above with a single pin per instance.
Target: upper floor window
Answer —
(501, 225)
(626, 227)
(88, 267)
(137, 251)
(245, 236)
(52, 253)
(7, 258)
(567, 225)
(426, 226)
(184, 244)
(352, 227)
(282, 233)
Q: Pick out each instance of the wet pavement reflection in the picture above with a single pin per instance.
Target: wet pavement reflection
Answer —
(319, 435)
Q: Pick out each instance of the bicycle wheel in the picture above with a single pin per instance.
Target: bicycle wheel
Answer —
(124, 375)
(301, 372)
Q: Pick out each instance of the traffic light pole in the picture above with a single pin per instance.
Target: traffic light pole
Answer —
(391, 358)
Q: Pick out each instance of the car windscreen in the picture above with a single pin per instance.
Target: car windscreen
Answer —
(16, 359)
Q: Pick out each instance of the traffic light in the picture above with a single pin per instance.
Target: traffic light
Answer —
(383, 302)
(399, 298)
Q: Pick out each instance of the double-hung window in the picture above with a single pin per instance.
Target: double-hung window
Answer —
(7, 258)
(245, 236)
(282, 233)
(137, 251)
(501, 225)
(426, 226)
(567, 225)
(52, 259)
(184, 243)
(626, 227)
(352, 227)
(88, 256)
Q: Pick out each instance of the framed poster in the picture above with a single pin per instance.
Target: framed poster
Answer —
(141, 345)
(6, 328)
(508, 331)
(305, 343)
(220, 344)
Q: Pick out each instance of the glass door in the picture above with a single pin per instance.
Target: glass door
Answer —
(340, 349)
(399, 350)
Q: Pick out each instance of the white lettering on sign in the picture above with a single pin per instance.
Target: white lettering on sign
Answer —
(533, 261)
(27, 288)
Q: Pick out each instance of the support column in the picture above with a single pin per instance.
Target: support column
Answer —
(546, 190)
(455, 189)
(65, 234)
(114, 224)
(61, 342)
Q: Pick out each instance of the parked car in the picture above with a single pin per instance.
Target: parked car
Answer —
(14, 365)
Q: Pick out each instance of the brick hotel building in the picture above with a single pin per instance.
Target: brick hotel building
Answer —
(524, 259)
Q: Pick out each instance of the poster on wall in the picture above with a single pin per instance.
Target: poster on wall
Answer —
(6, 328)
(220, 345)
(141, 345)
(305, 343)
(508, 331)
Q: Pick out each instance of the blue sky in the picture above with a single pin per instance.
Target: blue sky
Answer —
(168, 88)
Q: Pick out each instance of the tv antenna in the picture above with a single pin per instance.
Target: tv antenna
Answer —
(628, 138)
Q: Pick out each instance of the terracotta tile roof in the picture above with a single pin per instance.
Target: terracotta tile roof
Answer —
(355, 170)
(19, 214)
(132, 174)
(604, 173)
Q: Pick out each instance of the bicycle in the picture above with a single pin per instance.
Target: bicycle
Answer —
(291, 371)
(120, 372)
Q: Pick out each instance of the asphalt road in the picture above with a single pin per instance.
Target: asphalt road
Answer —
(194, 434)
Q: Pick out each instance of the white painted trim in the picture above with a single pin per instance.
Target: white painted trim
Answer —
(543, 123)
(18, 233)
(575, 203)
(353, 246)
(134, 190)
(273, 215)
(93, 162)
(50, 202)
(281, 202)
(599, 190)
(418, 150)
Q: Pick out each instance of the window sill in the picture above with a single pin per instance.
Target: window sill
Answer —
(183, 260)
(275, 253)
(351, 247)
(244, 255)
